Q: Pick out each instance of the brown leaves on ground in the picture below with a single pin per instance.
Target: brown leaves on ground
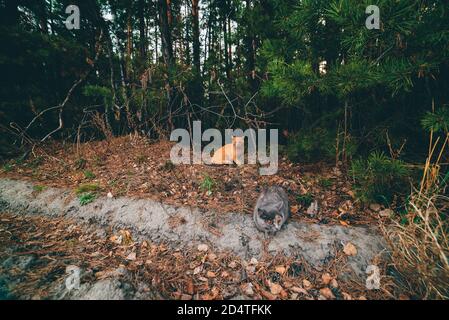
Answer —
(133, 166)
(171, 273)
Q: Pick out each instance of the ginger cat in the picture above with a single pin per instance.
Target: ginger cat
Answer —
(228, 153)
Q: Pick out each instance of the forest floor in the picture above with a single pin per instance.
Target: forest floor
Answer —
(36, 251)
(132, 166)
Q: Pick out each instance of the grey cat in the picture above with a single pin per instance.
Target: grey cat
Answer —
(272, 210)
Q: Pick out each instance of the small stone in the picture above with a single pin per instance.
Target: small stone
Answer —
(131, 257)
(211, 274)
(386, 213)
(313, 209)
(375, 207)
(203, 248)
(247, 289)
(254, 261)
(212, 256)
(251, 269)
(110, 195)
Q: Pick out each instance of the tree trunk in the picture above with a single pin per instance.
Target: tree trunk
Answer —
(196, 36)
(167, 52)
(142, 33)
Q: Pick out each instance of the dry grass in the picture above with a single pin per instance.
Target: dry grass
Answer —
(419, 243)
(421, 248)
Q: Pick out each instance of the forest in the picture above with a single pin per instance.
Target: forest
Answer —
(90, 92)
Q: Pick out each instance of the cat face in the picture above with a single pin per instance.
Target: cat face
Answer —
(238, 140)
(272, 219)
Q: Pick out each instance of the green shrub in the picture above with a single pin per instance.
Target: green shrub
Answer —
(311, 145)
(86, 198)
(208, 184)
(89, 175)
(379, 178)
(437, 121)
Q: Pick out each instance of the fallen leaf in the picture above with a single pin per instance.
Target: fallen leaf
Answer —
(267, 295)
(186, 297)
(294, 209)
(190, 287)
(280, 270)
(275, 288)
(131, 257)
(210, 274)
(326, 278)
(327, 293)
(306, 283)
(350, 249)
(346, 296)
(299, 290)
(343, 223)
(197, 270)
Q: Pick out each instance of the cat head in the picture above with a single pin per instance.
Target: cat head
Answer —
(238, 140)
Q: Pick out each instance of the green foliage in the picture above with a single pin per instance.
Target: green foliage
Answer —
(379, 178)
(96, 91)
(311, 145)
(7, 167)
(305, 199)
(326, 183)
(86, 188)
(39, 188)
(437, 121)
(86, 198)
(89, 174)
(208, 184)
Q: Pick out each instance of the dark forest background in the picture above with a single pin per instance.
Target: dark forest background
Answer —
(336, 90)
